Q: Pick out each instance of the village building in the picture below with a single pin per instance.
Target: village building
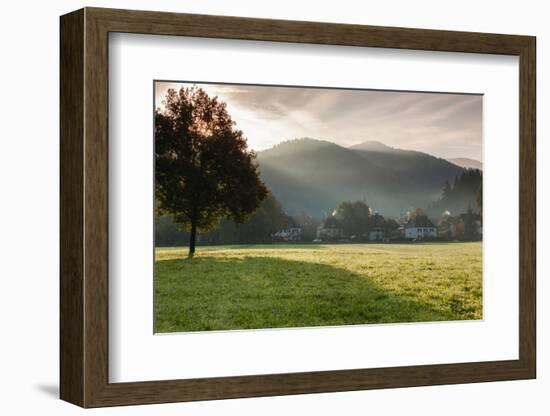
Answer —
(420, 227)
(398, 233)
(308, 224)
(330, 229)
(293, 232)
(450, 227)
(377, 234)
(458, 228)
(377, 231)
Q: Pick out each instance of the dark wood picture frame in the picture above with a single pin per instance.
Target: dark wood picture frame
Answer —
(84, 207)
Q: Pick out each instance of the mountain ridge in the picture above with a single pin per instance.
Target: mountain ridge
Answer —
(314, 176)
(466, 162)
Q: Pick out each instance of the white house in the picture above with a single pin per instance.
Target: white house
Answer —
(292, 233)
(377, 234)
(420, 227)
(330, 228)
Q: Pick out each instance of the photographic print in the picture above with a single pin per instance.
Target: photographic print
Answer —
(288, 206)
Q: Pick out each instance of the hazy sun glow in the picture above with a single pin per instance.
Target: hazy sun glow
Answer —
(444, 125)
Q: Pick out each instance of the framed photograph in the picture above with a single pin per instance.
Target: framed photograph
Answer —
(255, 207)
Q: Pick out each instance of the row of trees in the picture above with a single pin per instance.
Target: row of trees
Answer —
(268, 219)
(357, 219)
(464, 193)
(465, 226)
(257, 228)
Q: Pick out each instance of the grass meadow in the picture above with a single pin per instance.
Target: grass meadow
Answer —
(281, 286)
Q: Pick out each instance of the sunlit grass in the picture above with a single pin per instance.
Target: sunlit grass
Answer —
(272, 286)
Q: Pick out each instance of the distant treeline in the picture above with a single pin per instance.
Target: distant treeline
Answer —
(463, 195)
(465, 192)
(268, 219)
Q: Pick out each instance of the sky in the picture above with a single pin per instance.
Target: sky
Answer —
(443, 125)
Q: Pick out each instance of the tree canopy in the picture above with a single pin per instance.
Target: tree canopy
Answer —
(463, 194)
(204, 170)
(354, 217)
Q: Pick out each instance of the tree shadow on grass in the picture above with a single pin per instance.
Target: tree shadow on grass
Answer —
(227, 293)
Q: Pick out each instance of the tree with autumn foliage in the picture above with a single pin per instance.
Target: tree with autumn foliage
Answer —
(204, 170)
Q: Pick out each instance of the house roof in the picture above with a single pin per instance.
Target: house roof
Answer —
(419, 221)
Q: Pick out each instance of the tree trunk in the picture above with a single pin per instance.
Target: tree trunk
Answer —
(192, 239)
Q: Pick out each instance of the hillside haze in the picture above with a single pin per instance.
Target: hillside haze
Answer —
(315, 176)
(465, 162)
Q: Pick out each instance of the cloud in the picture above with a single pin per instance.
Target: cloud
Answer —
(445, 125)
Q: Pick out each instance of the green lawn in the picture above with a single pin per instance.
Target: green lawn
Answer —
(274, 286)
